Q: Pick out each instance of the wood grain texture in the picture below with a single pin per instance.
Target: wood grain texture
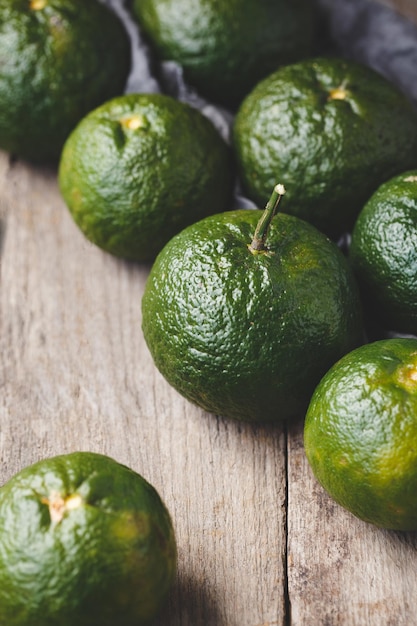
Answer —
(75, 374)
(256, 534)
(342, 571)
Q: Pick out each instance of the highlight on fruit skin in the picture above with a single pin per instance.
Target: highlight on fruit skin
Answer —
(59, 60)
(383, 254)
(333, 128)
(140, 168)
(360, 433)
(225, 48)
(84, 540)
(246, 329)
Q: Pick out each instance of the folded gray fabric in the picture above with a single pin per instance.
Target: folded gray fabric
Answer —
(364, 30)
(376, 35)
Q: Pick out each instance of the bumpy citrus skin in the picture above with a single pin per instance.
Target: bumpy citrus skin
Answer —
(59, 60)
(245, 335)
(333, 130)
(225, 48)
(84, 540)
(383, 253)
(140, 168)
(361, 433)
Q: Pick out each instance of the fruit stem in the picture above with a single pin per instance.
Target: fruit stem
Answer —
(262, 228)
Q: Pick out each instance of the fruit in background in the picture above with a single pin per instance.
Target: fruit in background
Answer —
(333, 129)
(59, 60)
(84, 540)
(383, 253)
(140, 168)
(244, 311)
(360, 433)
(225, 48)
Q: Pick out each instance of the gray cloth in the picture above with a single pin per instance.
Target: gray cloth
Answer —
(364, 30)
(377, 36)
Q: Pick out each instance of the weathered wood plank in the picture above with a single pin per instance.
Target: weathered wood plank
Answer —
(76, 375)
(342, 571)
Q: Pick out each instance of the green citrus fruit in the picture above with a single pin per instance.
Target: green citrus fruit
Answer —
(59, 59)
(83, 540)
(333, 130)
(361, 433)
(245, 326)
(139, 169)
(383, 253)
(225, 48)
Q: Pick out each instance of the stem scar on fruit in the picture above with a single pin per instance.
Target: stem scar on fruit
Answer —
(258, 243)
(407, 375)
(134, 122)
(58, 505)
(37, 5)
(339, 93)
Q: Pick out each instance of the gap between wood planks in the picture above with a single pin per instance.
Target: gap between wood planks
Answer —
(287, 599)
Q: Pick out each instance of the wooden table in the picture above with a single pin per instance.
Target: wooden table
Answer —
(260, 543)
